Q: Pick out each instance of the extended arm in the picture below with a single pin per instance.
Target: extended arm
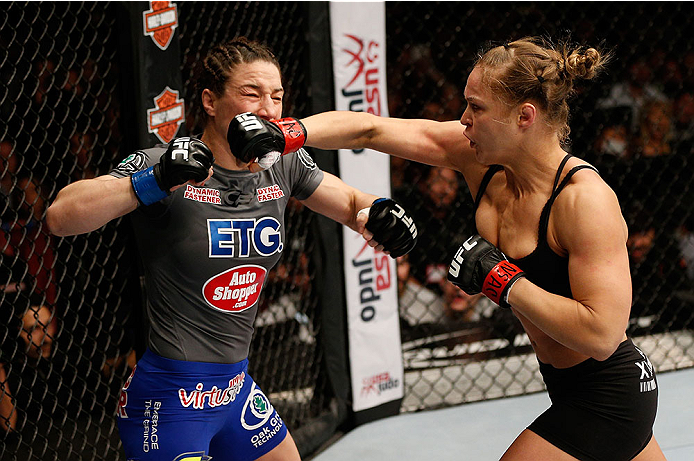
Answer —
(424, 141)
(339, 201)
(383, 223)
(419, 140)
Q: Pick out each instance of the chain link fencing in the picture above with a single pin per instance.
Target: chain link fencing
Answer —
(635, 124)
(71, 308)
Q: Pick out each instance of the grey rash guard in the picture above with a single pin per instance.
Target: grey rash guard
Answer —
(207, 251)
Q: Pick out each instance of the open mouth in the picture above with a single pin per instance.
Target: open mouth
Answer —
(472, 143)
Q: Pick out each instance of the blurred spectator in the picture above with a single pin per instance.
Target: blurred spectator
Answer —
(654, 132)
(436, 210)
(27, 239)
(658, 275)
(684, 121)
(8, 411)
(27, 289)
(460, 305)
(416, 81)
(613, 140)
(685, 241)
(28, 340)
(633, 93)
(426, 294)
(9, 166)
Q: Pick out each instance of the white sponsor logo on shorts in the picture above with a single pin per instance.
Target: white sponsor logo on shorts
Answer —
(214, 397)
(257, 410)
(647, 379)
(150, 438)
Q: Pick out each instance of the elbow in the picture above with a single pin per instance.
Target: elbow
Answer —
(605, 348)
(54, 221)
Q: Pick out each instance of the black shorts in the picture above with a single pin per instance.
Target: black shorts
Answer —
(602, 411)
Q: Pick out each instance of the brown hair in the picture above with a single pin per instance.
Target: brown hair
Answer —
(534, 69)
(215, 69)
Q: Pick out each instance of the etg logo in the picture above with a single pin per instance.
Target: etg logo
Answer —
(231, 238)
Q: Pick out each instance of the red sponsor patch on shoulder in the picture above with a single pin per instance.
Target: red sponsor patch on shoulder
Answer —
(273, 192)
(236, 289)
(202, 194)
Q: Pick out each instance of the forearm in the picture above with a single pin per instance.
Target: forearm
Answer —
(86, 205)
(567, 321)
(339, 201)
(419, 140)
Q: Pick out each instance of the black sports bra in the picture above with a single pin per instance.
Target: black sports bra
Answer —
(543, 266)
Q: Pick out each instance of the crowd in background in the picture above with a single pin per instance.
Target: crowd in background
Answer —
(638, 134)
(62, 123)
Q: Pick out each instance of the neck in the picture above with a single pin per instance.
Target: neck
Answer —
(534, 168)
(220, 148)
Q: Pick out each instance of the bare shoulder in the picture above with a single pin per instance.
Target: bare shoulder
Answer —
(587, 211)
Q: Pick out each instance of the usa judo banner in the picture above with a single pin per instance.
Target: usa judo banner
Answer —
(359, 56)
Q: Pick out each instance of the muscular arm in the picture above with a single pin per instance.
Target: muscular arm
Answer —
(86, 205)
(340, 202)
(589, 225)
(419, 140)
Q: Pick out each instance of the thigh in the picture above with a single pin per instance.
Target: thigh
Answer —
(166, 441)
(529, 446)
(154, 425)
(285, 451)
(652, 452)
(252, 429)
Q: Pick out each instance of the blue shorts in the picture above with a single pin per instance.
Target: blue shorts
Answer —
(172, 410)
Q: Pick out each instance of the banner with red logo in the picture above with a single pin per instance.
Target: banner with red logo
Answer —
(359, 56)
(157, 82)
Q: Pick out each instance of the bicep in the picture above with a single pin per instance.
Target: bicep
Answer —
(593, 232)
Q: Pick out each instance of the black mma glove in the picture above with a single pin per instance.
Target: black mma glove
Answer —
(392, 227)
(252, 137)
(185, 159)
(479, 266)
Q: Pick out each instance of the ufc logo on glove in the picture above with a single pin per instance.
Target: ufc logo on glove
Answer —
(249, 122)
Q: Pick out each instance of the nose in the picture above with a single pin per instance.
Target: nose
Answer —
(267, 108)
(465, 119)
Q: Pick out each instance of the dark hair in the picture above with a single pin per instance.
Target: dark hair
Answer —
(215, 69)
(534, 69)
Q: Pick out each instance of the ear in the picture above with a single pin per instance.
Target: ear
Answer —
(208, 100)
(527, 113)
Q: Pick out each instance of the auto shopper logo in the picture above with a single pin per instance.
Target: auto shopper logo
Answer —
(167, 115)
(235, 289)
(160, 22)
(362, 90)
